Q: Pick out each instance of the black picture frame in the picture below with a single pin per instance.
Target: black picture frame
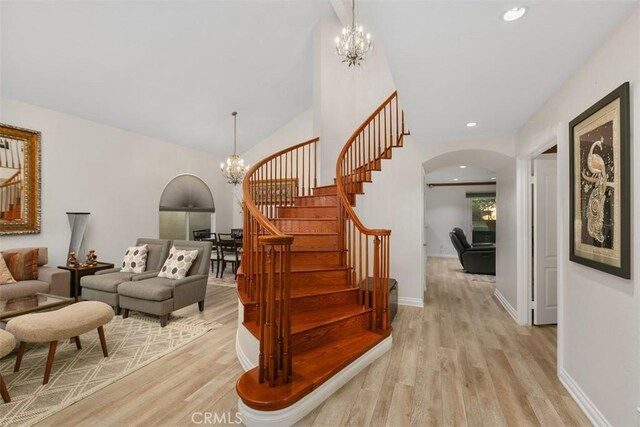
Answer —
(600, 185)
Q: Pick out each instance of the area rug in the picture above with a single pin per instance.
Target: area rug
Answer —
(133, 343)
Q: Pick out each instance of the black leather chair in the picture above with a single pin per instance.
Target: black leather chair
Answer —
(474, 259)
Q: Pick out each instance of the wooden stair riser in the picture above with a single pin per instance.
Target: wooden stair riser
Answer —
(319, 336)
(327, 190)
(308, 212)
(311, 302)
(316, 259)
(316, 201)
(320, 225)
(315, 241)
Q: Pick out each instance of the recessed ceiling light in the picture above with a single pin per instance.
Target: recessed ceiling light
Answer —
(463, 167)
(514, 14)
(455, 179)
(493, 177)
(472, 124)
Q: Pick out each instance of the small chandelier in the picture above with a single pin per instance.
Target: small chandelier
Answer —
(353, 46)
(234, 169)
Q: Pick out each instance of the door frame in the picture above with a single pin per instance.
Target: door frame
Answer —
(556, 135)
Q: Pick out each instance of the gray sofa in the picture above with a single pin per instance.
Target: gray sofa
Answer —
(50, 280)
(159, 296)
(103, 286)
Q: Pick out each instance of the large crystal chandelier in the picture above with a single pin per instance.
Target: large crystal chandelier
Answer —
(353, 46)
(234, 169)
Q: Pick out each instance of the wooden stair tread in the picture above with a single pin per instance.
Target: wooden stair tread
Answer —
(310, 369)
(312, 319)
(310, 292)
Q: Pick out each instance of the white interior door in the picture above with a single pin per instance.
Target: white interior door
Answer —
(545, 248)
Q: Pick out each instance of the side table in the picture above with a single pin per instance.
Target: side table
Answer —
(78, 272)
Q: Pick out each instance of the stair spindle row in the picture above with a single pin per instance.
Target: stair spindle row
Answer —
(367, 251)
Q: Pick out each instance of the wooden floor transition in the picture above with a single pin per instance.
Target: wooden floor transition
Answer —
(459, 361)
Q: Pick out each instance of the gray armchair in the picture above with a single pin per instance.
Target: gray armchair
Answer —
(160, 296)
(103, 286)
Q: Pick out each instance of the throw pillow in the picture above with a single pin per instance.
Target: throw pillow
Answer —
(178, 263)
(5, 274)
(135, 259)
(23, 265)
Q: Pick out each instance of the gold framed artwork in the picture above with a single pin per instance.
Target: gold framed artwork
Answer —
(19, 180)
(600, 205)
(275, 192)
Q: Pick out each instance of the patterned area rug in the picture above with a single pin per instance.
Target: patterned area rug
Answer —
(226, 280)
(133, 343)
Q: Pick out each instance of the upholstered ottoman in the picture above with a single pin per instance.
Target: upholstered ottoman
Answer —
(53, 326)
(7, 344)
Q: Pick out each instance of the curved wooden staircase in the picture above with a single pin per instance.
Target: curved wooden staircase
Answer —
(314, 280)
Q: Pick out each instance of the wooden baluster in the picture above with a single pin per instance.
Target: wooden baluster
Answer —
(360, 275)
(367, 295)
(397, 123)
(280, 307)
(376, 281)
(261, 319)
(309, 173)
(271, 306)
(287, 360)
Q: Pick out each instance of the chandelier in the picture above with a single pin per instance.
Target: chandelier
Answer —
(234, 169)
(353, 46)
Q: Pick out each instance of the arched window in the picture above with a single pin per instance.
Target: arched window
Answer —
(186, 205)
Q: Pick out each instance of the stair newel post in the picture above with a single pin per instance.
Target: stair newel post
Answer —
(271, 327)
(280, 305)
(385, 283)
(261, 313)
(376, 281)
(287, 361)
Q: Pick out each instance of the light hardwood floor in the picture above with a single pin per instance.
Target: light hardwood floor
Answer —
(459, 361)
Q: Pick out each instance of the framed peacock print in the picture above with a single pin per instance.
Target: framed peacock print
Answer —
(600, 205)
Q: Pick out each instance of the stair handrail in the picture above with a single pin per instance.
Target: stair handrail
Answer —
(272, 183)
(363, 153)
(10, 191)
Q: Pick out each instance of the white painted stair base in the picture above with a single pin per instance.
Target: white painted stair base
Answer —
(247, 351)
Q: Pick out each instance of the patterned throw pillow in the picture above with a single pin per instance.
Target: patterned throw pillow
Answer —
(178, 263)
(23, 265)
(5, 274)
(135, 259)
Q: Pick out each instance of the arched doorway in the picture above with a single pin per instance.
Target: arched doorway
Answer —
(186, 205)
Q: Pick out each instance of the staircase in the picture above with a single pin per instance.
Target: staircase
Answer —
(314, 280)
(11, 197)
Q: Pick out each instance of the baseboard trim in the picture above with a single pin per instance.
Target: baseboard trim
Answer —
(247, 346)
(289, 416)
(507, 306)
(441, 256)
(411, 302)
(587, 406)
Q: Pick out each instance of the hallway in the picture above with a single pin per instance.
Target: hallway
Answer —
(461, 360)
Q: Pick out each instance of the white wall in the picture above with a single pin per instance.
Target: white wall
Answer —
(446, 208)
(116, 175)
(299, 129)
(599, 324)
(343, 97)
(506, 229)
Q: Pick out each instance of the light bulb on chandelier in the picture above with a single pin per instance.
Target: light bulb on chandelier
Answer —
(353, 46)
(235, 169)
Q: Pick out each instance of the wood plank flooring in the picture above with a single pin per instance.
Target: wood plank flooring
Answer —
(459, 361)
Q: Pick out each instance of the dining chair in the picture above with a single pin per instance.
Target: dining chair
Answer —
(216, 253)
(229, 251)
(202, 234)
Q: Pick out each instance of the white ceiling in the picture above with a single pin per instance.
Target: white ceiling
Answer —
(448, 175)
(175, 70)
(172, 70)
(455, 62)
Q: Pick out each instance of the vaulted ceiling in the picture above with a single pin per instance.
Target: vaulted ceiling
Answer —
(176, 70)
